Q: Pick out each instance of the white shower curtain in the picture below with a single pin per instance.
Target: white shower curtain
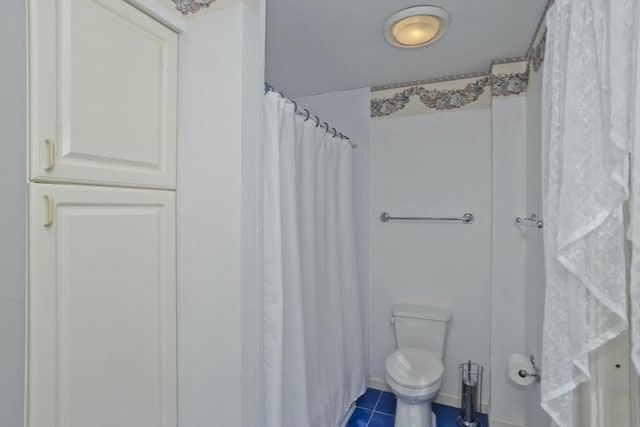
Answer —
(312, 333)
(589, 96)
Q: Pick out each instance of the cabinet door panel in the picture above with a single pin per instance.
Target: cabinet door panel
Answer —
(103, 89)
(102, 322)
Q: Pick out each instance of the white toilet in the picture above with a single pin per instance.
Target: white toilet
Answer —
(414, 371)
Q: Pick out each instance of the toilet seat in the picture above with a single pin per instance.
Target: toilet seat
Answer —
(414, 372)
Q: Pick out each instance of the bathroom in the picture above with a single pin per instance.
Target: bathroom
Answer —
(481, 156)
(420, 161)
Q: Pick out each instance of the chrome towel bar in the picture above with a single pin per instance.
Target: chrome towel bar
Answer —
(466, 218)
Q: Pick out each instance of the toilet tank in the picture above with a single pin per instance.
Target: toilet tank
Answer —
(421, 327)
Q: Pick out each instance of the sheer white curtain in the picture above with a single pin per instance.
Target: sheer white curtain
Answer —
(312, 333)
(588, 99)
(634, 229)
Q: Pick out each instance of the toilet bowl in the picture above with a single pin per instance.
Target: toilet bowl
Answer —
(414, 371)
(415, 377)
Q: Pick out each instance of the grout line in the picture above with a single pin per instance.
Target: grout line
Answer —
(384, 413)
(369, 419)
(377, 401)
(374, 408)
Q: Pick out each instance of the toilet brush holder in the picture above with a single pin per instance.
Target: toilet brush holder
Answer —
(470, 394)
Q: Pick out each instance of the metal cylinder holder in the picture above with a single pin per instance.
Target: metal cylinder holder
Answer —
(470, 394)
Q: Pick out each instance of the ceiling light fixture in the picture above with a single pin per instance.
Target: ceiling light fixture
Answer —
(416, 26)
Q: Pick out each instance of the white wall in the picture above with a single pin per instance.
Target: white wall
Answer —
(348, 111)
(212, 146)
(221, 74)
(432, 165)
(253, 26)
(534, 268)
(13, 214)
(508, 255)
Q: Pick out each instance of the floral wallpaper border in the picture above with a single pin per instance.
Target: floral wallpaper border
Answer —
(446, 99)
(190, 7)
(536, 55)
(505, 79)
(509, 84)
(426, 82)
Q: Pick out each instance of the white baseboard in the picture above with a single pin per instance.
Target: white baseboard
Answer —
(442, 398)
(378, 384)
(501, 423)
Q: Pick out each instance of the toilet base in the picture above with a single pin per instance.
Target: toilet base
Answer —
(414, 415)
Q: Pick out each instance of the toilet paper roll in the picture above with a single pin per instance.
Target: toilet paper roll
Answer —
(516, 363)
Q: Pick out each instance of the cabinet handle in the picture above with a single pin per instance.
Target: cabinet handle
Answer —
(49, 199)
(52, 153)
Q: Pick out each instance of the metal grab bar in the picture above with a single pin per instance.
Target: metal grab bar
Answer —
(466, 218)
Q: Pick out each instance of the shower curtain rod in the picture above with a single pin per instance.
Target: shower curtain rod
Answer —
(306, 115)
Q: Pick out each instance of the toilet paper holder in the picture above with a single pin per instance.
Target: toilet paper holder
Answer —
(536, 371)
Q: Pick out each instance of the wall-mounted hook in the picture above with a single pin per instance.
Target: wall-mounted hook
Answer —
(531, 221)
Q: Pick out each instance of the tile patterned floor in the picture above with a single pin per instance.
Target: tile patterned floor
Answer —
(377, 408)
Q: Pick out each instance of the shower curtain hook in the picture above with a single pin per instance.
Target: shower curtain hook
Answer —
(327, 125)
(295, 106)
(306, 111)
(317, 119)
(352, 144)
(281, 94)
(341, 135)
(335, 132)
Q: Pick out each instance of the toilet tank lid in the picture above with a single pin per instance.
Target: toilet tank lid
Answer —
(421, 312)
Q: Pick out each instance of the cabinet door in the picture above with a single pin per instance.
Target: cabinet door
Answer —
(103, 79)
(102, 307)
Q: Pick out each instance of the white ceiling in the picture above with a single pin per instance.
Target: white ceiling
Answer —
(320, 46)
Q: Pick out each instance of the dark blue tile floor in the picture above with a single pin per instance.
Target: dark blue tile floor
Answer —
(377, 408)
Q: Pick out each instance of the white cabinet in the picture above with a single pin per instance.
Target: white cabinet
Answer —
(102, 91)
(101, 293)
(102, 302)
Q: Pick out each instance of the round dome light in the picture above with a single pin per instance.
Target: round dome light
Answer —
(416, 26)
